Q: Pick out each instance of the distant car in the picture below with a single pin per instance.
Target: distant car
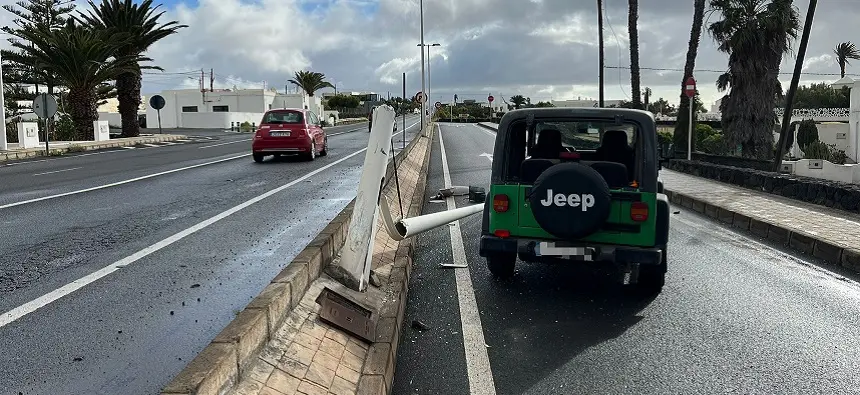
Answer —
(290, 131)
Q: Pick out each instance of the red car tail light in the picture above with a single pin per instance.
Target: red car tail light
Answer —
(502, 233)
(639, 211)
(501, 203)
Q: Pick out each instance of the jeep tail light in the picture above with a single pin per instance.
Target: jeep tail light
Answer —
(501, 203)
(502, 233)
(639, 211)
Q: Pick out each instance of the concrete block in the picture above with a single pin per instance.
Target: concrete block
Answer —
(698, 206)
(741, 221)
(712, 211)
(276, 301)
(726, 216)
(248, 333)
(212, 370)
(296, 274)
(371, 385)
(778, 234)
(378, 356)
(759, 228)
(828, 252)
(801, 243)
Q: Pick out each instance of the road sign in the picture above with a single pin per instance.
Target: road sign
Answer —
(491, 98)
(690, 87)
(420, 97)
(157, 102)
(45, 106)
(438, 104)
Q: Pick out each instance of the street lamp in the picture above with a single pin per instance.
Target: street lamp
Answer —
(429, 60)
(423, 87)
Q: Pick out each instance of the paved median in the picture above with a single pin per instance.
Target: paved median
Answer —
(86, 146)
(278, 344)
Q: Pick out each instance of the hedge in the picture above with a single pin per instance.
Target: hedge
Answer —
(827, 193)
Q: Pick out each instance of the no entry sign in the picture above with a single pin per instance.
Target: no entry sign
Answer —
(690, 87)
(490, 98)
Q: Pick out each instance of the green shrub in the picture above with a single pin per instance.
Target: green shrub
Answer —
(714, 144)
(75, 148)
(246, 127)
(64, 129)
(664, 137)
(837, 155)
(816, 150)
(807, 133)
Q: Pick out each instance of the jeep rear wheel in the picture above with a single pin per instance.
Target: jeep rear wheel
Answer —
(502, 265)
(651, 278)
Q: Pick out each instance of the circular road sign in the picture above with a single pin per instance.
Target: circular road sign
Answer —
(491, 98)
(438, 104)
(45, 106)
(157, 102)
(690, 87)
(420, 97)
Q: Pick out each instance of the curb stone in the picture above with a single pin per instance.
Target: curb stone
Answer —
(219, 367)
(809, 244)
(88, 146)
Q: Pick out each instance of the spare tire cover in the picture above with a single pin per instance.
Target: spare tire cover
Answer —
(570, 200)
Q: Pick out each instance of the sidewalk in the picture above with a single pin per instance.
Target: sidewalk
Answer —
(829, 234)
(309, 357)
(61, 147)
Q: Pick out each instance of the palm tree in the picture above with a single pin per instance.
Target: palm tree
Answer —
(140, 22)
(83, 59)
(310, 81)
(845, 51)
(683, 120)
(633, 31)
(518, 101)
(756, 34)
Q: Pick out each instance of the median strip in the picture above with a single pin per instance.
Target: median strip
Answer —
(278, 343)
(25, 153)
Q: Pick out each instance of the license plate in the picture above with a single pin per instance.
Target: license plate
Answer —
(279, 134)
(551, 249)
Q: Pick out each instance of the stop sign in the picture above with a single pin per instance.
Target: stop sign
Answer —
(690, 87)
(490, 98)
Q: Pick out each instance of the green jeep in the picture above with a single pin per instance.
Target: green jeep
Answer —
(577, 184)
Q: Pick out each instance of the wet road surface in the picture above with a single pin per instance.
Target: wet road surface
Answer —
(737, 315)
(183, 251)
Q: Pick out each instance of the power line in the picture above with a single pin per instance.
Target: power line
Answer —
(720, 71)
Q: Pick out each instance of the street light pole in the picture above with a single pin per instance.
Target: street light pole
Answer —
(423, 82)
(4, 145)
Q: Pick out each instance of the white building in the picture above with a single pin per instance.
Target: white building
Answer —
(584, 103)
(191, 108)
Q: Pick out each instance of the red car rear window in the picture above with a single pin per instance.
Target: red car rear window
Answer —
(282, 117)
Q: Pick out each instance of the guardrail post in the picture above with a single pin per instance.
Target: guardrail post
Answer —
(353, 270)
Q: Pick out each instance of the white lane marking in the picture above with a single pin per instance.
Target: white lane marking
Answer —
(125, 148)
(355, 130)
(487, 131)
(151, 145)
(50, 297)
(488, 156)
(229, 142)
(119, 182)
(68, 157)
(56, 171)
(477, 361)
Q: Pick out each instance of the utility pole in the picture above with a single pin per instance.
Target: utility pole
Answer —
(211, 80)
(600, 46)
(795, 79)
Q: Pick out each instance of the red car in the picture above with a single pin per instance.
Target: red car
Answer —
(288, 131)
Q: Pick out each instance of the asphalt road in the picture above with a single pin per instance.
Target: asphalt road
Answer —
(737, 315)
(114, 290)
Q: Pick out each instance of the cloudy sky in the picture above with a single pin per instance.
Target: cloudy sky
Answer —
(544, 49)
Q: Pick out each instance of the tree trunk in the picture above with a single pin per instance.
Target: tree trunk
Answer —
(128, 95)
(683, 119)
(83, 108)
(633, 30)
(842, 68)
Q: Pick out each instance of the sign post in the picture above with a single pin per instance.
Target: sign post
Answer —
(690, 91)
(45, 106)
(490, 99)
(404, 111)
(421, 97)
(157, 102)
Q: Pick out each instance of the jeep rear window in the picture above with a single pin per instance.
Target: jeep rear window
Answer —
(582, 136)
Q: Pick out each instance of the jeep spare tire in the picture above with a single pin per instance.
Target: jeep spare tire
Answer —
(570, 200)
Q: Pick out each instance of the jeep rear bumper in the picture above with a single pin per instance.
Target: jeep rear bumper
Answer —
(597, 252)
